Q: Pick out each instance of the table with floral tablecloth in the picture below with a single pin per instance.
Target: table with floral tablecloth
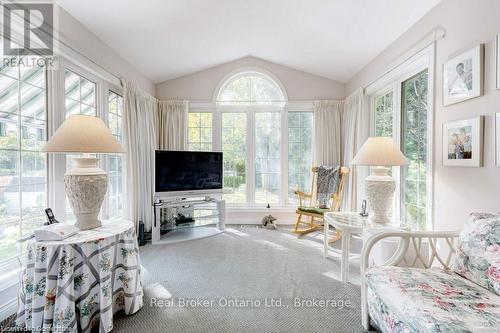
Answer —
(80, 282)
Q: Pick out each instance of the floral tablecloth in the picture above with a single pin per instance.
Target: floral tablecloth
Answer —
(72, 285)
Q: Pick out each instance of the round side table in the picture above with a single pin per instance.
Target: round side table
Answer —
(79, 282)
(350, 224)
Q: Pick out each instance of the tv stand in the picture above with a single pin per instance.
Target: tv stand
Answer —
(186, 231)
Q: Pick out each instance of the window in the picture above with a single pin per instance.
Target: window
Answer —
(267, 148)
(250, 88)
(200, 131)
(300, 129)
(234, 133)
(80, 98)
(414, 146)
(115, 161)
(23, 172)
(267, 157)
(401, 111)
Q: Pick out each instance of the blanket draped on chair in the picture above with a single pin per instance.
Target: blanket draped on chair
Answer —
(328, 183)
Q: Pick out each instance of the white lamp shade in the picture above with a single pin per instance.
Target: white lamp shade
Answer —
(83, 134)
(379, 151)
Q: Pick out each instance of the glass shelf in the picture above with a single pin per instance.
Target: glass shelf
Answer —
(204, 215)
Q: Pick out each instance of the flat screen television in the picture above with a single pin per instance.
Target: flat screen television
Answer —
(187, 173)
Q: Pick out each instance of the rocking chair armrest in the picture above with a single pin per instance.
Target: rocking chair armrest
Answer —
(302, 194)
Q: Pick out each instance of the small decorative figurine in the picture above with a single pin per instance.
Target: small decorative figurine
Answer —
(268, 222)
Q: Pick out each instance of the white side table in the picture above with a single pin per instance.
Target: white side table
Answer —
(349, 224)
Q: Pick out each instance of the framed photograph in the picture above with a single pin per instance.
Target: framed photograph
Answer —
(463, 142)
(497, 138)
(463, 76)
(498, 61)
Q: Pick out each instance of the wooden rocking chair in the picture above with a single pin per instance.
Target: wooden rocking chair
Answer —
(308, 205)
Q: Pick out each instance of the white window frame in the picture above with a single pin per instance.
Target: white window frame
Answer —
(250, 110)
(12, 265)
(392, 81)
(57, 162)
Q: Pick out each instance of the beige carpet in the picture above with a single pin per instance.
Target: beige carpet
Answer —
(245, 280)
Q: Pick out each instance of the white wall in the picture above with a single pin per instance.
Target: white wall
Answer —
(91, 46)
(299, 85)
(457, 191)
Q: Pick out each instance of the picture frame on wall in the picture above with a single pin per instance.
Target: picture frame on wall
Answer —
(497, 138)
(497, 61)
(463, 142)
(463, 76)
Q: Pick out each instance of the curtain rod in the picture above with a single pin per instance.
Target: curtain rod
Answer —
(435, 35)
(91, 60)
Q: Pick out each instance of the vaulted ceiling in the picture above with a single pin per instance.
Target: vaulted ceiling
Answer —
(165, 39)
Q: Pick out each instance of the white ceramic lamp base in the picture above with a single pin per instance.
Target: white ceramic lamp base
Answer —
(380, 189)
(86, 186)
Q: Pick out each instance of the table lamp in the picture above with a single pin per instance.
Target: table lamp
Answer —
(381, 153)
(86, 183)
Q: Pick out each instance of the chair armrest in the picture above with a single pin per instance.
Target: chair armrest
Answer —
(303, 197)
(302, 194)
(415, 239)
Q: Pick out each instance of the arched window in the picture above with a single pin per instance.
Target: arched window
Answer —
(267, 147)
(250, 87)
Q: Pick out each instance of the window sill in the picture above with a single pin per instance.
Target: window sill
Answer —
(249, 208)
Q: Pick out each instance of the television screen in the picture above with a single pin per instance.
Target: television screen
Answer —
(187, 171)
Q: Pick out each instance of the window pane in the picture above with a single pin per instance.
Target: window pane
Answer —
(9, 93)
(300, 128)
(383, 115)
(414, 145)
(11, 233)
(267, 157)
(200, 131)
(234, 150)
(72, 85)
(115, 162)
(23, 173)
(250, 88)
(80, 99)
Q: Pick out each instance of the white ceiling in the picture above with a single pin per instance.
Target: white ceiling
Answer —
(165, 39)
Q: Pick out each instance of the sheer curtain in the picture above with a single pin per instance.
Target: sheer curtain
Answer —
(171, 125)
(148, 124)
(139, 139)
(355, 131)
(327, 132)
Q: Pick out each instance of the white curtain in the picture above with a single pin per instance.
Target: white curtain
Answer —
(355, 131)
(327, 132)
(171, 125)
(139, 138)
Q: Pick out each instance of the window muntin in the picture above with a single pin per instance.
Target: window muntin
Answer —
(114, 162)
(267, 157)
(200, 131)
(23, 171)
(250, 88)
(414, 145)
(234, 133)
(300, 133)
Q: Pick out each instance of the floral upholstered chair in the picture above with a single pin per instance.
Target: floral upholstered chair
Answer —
(460, 296)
